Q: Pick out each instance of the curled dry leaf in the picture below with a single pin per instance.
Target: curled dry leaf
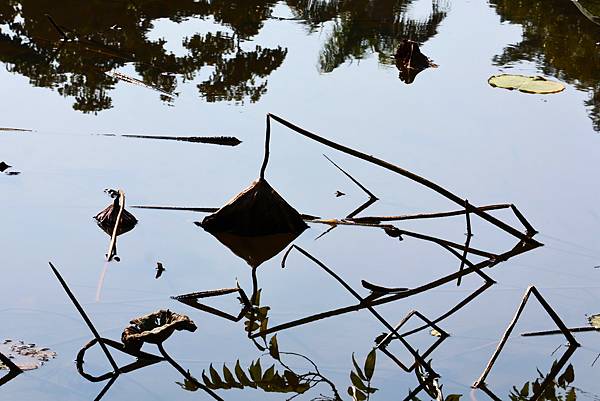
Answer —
(155, 328)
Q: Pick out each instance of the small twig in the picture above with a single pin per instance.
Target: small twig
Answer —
(554, 332)
(378, 219)
(267, 143)
(467, 242)
(182, 208)
(186, 374)
(354, 180)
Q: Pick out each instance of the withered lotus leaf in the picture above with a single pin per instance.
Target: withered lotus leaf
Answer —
(107, 219)
(256, 224)
(155, 328)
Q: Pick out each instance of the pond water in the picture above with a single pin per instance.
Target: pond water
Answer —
(216, 68)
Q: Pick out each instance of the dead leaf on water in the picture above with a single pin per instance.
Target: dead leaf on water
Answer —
(594, 321)
(25, 356)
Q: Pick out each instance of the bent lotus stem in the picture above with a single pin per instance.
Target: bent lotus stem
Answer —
(185, 373)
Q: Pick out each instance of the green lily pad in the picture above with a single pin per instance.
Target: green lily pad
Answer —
(527, 84)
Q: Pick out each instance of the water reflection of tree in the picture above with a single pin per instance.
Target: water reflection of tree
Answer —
(560, 41)
(363, 26)
(109, 35)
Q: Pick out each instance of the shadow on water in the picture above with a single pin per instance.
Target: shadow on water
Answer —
(560, 40)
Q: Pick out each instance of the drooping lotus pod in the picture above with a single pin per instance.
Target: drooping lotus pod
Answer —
(256, 224)
(107, 218)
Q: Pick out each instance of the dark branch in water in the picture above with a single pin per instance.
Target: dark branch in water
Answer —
(378, 219)
(267, 144)
(521, 248)
(213, 140)
(181, 208)
(16, 129)
(556, 368)
(467, 242)
(554, 332)
(414, 177)
(85, 317)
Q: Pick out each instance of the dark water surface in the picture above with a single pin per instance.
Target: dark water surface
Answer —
(216, 68)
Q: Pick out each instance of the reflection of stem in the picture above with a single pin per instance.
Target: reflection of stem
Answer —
(112, 247)
(186, 374)
(107, 387)
(317, 373)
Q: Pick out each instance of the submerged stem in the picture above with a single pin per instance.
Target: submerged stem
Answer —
(186, 374)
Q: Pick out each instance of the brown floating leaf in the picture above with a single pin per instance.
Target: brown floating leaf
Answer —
(155, 328)
(410, 61)
(25, 356)
(107, 218)
(256, 224)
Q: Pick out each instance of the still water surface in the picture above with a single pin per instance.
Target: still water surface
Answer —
(327, 67)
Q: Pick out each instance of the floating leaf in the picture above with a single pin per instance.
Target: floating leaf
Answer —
(594, 321)
(370, 364)
(435, 333)
(527, 84)
(25, 356)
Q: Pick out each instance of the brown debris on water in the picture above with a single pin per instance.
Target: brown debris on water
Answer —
(155, 328)
(114, 220)
(24, 355)
(256, 224)
(410, 61)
